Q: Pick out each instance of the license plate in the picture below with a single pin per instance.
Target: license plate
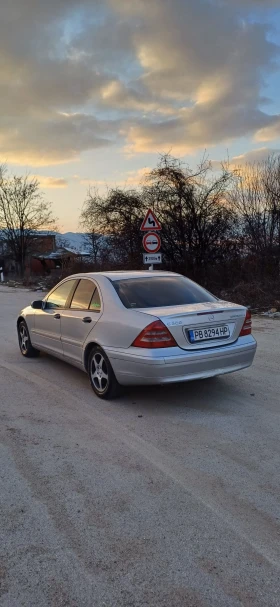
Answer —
(206, 333)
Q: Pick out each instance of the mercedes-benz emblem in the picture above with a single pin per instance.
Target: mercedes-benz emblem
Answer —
(211, 317)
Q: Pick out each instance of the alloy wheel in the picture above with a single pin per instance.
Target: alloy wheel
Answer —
(99, 373)
(23, 336)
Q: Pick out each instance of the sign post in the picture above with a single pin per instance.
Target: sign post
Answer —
(151, 240)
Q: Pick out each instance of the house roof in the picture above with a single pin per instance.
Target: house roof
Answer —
(60, 253)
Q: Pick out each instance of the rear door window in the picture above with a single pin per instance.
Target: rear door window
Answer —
(160, 292)
(83, 295)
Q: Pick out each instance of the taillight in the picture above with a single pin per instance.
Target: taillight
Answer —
(247, 326)
(155, 335)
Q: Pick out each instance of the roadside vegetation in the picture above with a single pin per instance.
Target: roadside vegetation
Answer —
(220, 225)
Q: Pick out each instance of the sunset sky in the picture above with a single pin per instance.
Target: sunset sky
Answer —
(93, 90)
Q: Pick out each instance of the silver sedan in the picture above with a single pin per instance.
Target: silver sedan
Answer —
(129, 328)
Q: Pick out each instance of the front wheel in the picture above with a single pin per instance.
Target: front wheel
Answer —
(25, 344)
(101, 374)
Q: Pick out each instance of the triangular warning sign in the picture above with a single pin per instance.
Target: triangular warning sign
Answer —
(150, 222)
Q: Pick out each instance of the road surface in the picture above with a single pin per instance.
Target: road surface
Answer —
(168, 497)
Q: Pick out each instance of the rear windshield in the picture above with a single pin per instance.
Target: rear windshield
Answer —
(160, 291)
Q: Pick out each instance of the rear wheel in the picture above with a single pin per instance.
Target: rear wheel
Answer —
(101, 374)
(25, 344)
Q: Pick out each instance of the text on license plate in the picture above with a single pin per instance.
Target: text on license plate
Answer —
(209, 333)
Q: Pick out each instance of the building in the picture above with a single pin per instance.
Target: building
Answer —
(43, 257)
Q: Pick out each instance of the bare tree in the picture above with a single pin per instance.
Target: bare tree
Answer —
(23, 212)
(256, 199)
(216, 226)
(91, 220)
(93, 245)
(191, 205)
(113, 222)
(271, 184)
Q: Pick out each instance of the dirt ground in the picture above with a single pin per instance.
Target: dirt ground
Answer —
(167, 497)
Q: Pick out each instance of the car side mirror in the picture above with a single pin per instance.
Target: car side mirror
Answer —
(37, 305)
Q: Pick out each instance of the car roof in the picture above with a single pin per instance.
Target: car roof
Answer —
(126, 274)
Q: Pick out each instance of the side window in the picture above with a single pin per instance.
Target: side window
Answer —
(58, 298)
(95, 303)
(83, 295)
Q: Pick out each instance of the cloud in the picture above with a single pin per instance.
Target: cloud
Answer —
(46, 85)
(116, 94)
(131, 179)
(51, 182)
(96, 183)
(270, 132)
(154, 76)
(135, 178)
(262, 4)
(182, 46)
(213, 73)
(192, 129)
(54, 139)
(250, 157)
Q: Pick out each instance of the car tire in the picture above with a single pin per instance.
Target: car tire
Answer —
(25, 344)
(102, 378)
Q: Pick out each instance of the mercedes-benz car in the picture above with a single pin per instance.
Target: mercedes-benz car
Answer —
(132, 328)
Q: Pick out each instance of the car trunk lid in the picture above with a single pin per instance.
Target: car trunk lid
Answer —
(202, 325)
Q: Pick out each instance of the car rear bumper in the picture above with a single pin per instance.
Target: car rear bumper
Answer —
(133, 369)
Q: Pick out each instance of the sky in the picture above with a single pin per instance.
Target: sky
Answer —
(92, 91)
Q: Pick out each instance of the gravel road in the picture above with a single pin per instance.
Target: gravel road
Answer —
(168, 497)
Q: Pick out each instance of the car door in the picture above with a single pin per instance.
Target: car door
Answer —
(47, 322)
(78, 320)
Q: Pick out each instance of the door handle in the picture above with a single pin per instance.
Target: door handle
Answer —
(57, 316)
(86, 319)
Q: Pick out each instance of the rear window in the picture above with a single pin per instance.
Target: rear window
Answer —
(160, 292)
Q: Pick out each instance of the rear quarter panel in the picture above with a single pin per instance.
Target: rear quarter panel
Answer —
(119, 328)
